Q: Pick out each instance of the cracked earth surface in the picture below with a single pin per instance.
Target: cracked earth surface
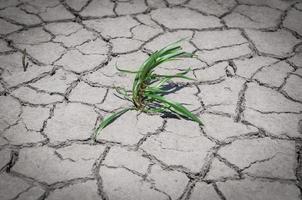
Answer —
(248, 93)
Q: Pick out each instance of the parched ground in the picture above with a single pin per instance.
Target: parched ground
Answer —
(57, 82)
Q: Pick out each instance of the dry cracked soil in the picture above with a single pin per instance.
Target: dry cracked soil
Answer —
(248, 93)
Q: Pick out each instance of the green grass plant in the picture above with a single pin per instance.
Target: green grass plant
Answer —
(147, 94)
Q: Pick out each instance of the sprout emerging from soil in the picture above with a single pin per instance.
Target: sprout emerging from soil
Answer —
(148, 87)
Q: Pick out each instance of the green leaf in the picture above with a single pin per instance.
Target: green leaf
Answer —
(172, 46)
(155, 110)
(125, 70)
(177, 54)
(153, 90)
(123, 92)
(109, 120)
(176, 107)
(178, 75)
(161, 82)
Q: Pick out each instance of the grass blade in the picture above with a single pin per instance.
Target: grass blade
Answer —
(123, 92)
(172, 45)
(154, 90)
(110, 119)
(176, 107)
(155, 110)
(125, 70)
(178, 75)
(161, 82)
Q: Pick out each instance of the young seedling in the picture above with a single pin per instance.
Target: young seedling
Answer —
(148, 87)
